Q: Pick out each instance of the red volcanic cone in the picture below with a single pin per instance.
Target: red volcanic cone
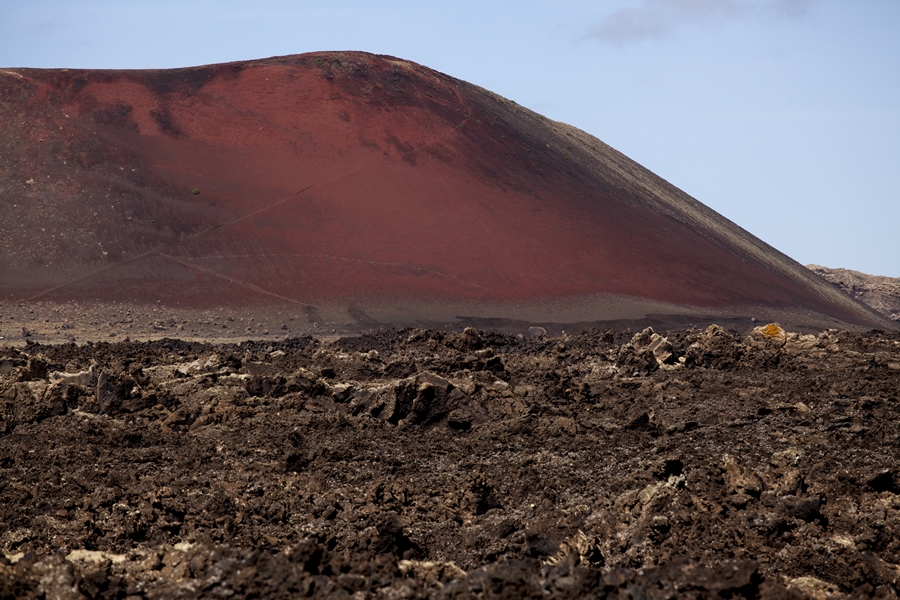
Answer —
(363, 185)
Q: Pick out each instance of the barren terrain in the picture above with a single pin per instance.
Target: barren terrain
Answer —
(420, 463)
(879, 292)
(339, 325)
(362, 189)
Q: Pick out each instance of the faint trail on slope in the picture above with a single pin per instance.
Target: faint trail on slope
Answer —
(251, 286)
(361, 261)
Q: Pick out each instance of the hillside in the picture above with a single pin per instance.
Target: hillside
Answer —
(358, 190)
(879, 292)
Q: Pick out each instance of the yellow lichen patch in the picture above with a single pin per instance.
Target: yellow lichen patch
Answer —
(773, 330)
(769, 334)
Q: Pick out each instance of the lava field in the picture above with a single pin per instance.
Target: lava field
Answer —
(424, 464)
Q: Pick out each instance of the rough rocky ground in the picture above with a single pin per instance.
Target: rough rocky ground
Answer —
(879, 292)
(420, 463)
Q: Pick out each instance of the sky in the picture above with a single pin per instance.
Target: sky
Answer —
(782, 115)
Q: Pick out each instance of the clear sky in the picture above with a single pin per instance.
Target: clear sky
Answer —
(783, 115)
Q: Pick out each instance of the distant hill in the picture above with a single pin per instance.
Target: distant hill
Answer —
(879, 292)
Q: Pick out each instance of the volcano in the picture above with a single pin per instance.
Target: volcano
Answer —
(364, 187)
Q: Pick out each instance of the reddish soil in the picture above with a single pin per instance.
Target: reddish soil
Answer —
(417, 463)
(353, 181)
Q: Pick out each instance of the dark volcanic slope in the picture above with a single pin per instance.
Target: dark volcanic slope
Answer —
(349, 180)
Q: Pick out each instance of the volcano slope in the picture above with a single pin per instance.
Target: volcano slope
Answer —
(359, 190)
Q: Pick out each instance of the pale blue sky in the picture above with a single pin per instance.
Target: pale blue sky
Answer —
(783, 115)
